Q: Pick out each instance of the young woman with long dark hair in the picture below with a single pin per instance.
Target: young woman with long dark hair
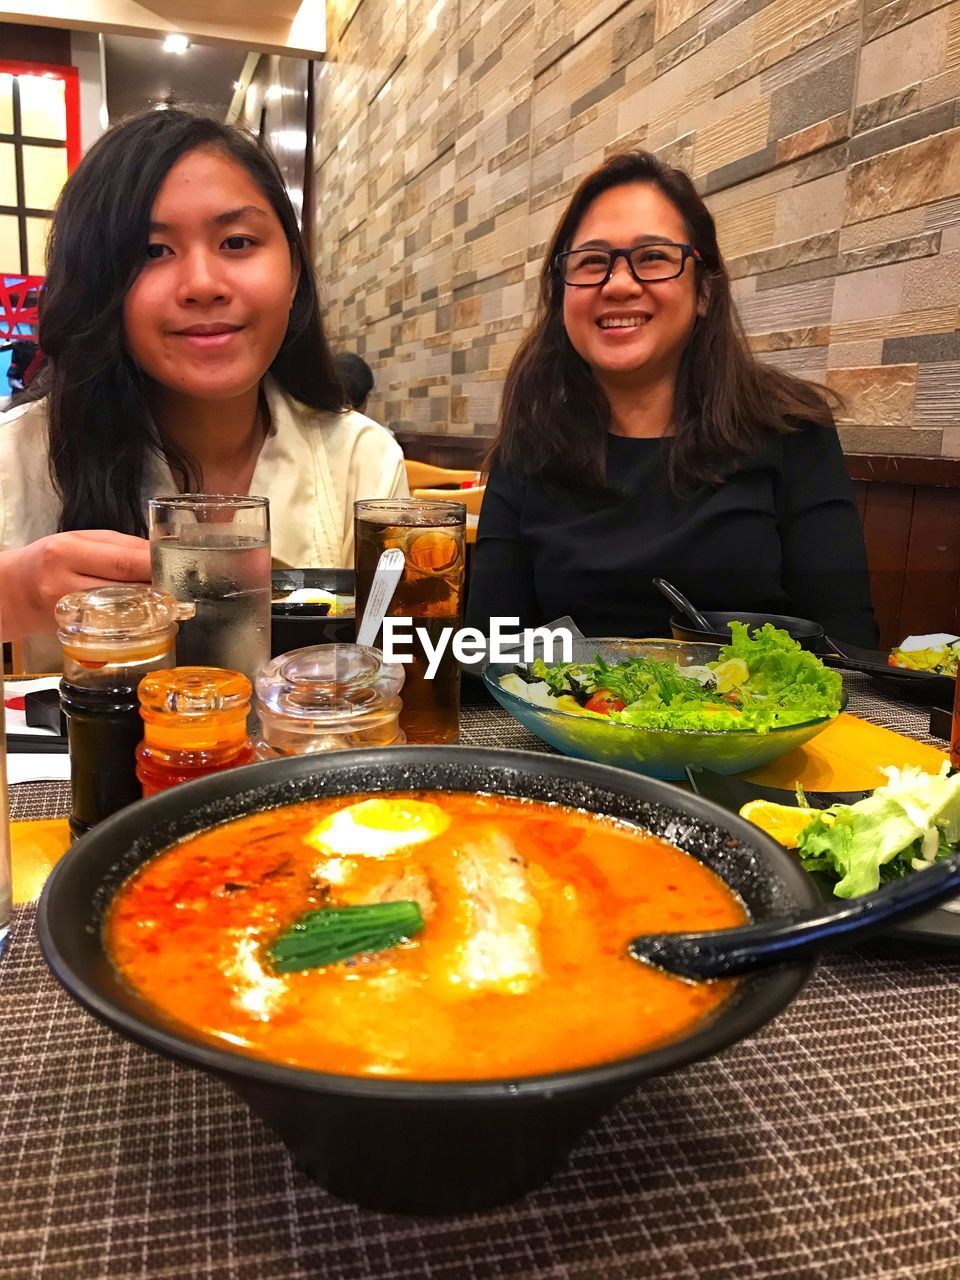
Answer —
(186, 353)
(639, 437)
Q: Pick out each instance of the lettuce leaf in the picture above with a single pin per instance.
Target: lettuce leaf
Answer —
(784, 672)
(881, 837)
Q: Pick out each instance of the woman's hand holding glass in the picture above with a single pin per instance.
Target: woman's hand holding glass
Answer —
(34, 577)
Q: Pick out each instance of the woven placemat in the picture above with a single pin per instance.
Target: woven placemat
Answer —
(827, 1147)
(39, 800)
(889, 711)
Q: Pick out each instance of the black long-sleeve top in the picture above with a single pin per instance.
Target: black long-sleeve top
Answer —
(781, 535)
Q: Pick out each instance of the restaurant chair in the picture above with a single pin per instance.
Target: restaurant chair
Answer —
(426, 475)
(471, 498)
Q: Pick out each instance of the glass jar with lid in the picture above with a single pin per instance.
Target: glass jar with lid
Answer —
(328, 697)
(194, 723)
(111, 637)
(117, 632)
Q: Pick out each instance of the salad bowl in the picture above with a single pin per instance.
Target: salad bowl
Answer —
(660, 752)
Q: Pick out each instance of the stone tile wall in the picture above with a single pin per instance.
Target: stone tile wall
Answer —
(825, 135)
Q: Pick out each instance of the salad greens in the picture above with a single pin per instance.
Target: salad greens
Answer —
(759, 682)
(908, 824)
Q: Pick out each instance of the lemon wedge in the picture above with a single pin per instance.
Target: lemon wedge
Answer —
(567, 702)
(783, 822)
(731, 674)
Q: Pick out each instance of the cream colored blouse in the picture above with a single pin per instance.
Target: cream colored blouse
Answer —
(313, 466)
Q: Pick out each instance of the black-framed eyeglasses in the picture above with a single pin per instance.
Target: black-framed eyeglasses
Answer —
(660, 260)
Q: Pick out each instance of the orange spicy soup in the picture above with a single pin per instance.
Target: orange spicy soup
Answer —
(520, 969)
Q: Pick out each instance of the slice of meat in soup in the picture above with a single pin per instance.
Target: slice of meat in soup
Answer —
(408, 885)
(501, 951)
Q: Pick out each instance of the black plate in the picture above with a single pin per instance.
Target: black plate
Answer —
(922, 685)
(936, 928)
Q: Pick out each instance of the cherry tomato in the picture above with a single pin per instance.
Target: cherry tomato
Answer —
(604, 702)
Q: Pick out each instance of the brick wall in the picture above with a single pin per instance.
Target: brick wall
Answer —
(825, 136)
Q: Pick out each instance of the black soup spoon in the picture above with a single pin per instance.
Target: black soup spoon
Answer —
(725, 953)
(680, 601)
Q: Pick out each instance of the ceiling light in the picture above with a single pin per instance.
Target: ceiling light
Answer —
(309, 27)
(237, 85)
(176, 44)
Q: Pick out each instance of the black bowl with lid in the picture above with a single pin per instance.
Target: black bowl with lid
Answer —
(409, 1145)
(294, 626)
(808, 634)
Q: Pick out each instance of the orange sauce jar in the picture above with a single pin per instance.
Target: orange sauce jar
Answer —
(194, 723)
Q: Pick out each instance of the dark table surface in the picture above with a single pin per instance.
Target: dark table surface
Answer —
(827, 1145)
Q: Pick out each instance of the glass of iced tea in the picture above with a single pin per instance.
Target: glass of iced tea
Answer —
(214, 549)
(432, 537)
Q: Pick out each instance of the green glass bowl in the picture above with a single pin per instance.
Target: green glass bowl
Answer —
(660, 753)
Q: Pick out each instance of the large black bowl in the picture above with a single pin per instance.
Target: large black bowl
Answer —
(809, 635)
(406, 1145)
(294, 626)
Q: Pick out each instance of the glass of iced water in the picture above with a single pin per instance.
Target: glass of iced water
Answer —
(214, 549)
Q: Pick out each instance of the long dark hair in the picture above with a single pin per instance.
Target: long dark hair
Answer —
(554, 416)
(101, 429)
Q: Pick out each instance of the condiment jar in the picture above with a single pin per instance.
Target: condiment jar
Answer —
(955, 731)
(328, 697)
(110, 636)
(195, 723)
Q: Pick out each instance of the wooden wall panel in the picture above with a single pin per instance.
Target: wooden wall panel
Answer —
(860, 497)
(932, 575)
(910, 508)
(443, 450)
(886, 525)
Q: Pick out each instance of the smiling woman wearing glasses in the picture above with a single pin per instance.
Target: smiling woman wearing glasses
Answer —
(639, 437)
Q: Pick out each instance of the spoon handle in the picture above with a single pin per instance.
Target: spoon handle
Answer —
(386, 576)
(680, 601)
(724, 953)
